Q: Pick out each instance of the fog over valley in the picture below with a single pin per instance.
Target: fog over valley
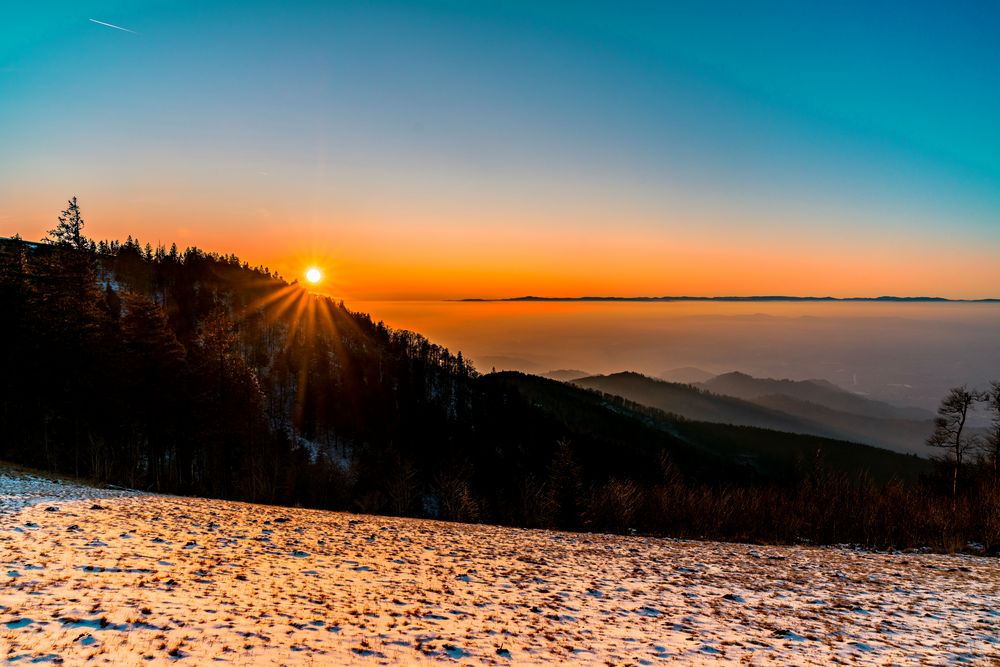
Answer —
(904, 353)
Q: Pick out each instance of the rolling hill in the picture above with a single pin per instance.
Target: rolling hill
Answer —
(691, 402)
(714, 452)
(819, 392)
(791, 412)
(686, 375)
(565, 374)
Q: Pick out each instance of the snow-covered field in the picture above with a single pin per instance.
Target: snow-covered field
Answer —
(115, 577)
(20, 489)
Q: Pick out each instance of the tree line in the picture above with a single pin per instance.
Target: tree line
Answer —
(193, 372)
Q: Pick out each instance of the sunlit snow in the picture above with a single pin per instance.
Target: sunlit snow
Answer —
(111, 576)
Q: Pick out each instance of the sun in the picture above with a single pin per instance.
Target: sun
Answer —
(314, 275)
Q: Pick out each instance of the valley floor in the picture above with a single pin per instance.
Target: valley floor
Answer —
(88, 575)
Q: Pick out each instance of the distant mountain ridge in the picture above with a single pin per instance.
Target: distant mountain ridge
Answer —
(686, 375)
(566, 374)
(809, 407)
(691, 402)
(821, 392)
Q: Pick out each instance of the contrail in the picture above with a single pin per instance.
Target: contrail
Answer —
(111, 25)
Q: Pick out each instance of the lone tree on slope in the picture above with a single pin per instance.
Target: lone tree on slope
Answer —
(949, 430)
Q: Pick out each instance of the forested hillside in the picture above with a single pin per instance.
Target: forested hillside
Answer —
(193, 372)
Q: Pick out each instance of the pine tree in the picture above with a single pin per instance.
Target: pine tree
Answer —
(69, 231)
(69, 329)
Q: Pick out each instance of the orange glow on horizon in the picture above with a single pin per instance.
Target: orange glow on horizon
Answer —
(396, 254)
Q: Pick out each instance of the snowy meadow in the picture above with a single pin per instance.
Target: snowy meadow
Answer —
(115, 577)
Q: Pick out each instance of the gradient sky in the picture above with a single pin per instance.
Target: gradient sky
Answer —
(453, 149)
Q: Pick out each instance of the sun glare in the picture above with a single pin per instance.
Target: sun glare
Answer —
(314, 275)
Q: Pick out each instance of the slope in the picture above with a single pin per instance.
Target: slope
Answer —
(693, 403)
(713, 452)
(777, 411)
(907, 436)
(821, 392)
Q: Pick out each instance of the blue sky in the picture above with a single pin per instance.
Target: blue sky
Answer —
(795, 123)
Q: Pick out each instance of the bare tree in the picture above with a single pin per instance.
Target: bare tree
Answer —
(949, 430)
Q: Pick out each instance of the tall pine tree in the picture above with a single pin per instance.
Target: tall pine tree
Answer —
(69, 231)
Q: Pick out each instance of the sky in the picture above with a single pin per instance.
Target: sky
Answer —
(437, 150)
